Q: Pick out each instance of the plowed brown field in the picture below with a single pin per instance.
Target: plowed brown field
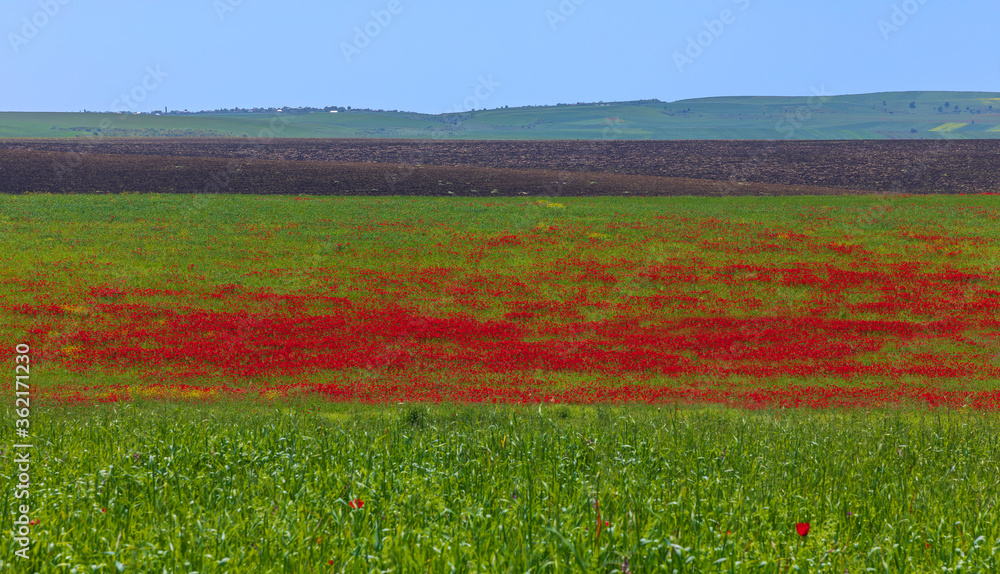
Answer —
(437, 167)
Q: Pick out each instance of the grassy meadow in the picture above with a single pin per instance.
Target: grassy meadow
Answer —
(351, 384)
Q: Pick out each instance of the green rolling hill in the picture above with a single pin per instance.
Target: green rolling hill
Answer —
(884, 115)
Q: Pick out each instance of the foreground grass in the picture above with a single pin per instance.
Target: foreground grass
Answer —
(149, 487)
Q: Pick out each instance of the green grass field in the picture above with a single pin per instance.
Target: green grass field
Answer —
(224, 471)
(840, 117)
(257, 488)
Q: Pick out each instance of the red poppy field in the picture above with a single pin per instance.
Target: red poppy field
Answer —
(326, 384)
(846, 302)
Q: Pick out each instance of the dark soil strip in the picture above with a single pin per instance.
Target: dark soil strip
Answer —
(24, 171)
(913, 166)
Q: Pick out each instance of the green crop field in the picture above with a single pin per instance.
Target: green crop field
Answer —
(223, 383)
(240, 488)
(884, 115)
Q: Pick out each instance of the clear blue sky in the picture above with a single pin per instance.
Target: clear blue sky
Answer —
(433, 56)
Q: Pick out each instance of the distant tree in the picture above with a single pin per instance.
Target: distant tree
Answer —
(913, 105)
(940, 109)
(913, 130)
(947, 105)
(883, 103)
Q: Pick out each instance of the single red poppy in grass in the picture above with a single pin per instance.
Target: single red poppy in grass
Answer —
(104, 510)
(802, 528)
(357, 503)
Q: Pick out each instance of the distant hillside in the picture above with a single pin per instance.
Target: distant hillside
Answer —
(885, 115)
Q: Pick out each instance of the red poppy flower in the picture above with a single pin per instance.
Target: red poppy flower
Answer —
(104, 510)
(802, 528)
(357, 503)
